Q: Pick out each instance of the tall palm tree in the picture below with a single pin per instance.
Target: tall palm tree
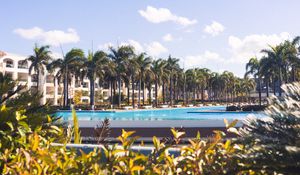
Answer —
(120, 56)
(247, 85)
(65, 67)
(291, 51)
(110, 75)
(39, 60)
(192, 80)
(157, 68)
(204, 75)
(172, 66)
(133, 69)
(144, 64)
(253, 67)
(277, 55)
(94, 66)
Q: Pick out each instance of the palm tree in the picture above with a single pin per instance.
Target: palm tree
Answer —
(94, 67)
(277, 55)
(144, 64)
(133, 69)
(247, 85)
(253, 67)
(120, 56)
(39, 60)
(157, 68)
(204, 75)
(172, 66)
(70, 65)
(110, 76)
(291, 53)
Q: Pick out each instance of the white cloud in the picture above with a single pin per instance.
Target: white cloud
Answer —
(136, 45)
(244, 48)
(51, 37)
(202, 60)
(168, 37)
(214, 28)
(159, 15)
(155, 49)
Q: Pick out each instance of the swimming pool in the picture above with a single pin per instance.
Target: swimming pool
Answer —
(159, 114)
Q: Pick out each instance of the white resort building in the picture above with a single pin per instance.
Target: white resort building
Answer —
(17, 67)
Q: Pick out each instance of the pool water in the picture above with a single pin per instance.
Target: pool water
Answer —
(160, 114)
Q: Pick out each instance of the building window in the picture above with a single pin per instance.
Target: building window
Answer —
(9, 64)
(22, 64)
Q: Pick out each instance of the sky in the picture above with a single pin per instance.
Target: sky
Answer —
(216, 34)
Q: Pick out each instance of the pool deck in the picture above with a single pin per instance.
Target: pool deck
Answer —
(147, 129)
(156, 123)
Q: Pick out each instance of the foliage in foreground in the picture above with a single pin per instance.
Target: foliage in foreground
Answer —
(272, 144)
(265, 146)
(33, 154)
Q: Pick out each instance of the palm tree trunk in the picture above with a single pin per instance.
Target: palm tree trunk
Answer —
(184, 93)
(259, 90)
(171, 91)
(119, 91)
(156, 93)
(274, 86)
(202, 94)
(174, 89)
(143, 87)
(267, 87)
(38, 81)
(280, 81)
(194, 95)
(139, 95)
(92, 93)
(132, 81)
(128, 92)
(293, 74)
(163, 92)
(65, 103)
(111, 93)
(149, 90)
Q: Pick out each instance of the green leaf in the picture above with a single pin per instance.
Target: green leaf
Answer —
(10, 125)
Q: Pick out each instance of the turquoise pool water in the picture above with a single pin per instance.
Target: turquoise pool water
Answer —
(159, 114)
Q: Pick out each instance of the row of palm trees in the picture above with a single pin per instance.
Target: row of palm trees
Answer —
(279, 64)
(123, 65)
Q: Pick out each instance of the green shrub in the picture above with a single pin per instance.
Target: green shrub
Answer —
(272, 144)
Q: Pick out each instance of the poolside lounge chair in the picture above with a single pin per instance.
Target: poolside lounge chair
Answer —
(177, 106)
(127, 107)
(147, 107)
(164, 106)
(190, 105)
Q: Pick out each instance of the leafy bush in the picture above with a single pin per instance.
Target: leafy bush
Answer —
(272, 144)
(233, 108)
(253, 108)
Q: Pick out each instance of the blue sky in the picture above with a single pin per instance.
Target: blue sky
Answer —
(220, 35)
